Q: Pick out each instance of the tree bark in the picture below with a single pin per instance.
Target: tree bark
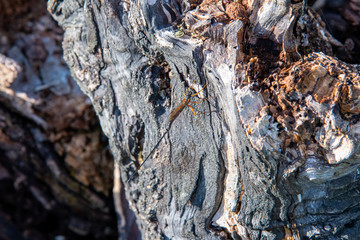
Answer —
(276, 153)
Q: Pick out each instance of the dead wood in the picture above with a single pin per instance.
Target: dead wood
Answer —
(277, 155)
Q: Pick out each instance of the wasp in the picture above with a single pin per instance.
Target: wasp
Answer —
(191, 92)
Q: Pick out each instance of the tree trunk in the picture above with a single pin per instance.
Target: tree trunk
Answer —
(274, 154)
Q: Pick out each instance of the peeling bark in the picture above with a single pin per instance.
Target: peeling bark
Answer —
(276, 155)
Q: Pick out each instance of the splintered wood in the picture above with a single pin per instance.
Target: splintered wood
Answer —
(208, 19)
(309, 113)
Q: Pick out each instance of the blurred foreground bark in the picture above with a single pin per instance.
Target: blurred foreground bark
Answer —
(276, 156)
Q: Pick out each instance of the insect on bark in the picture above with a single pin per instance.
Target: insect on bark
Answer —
(172, 117)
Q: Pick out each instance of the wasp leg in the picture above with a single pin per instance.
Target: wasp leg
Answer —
(199, 91)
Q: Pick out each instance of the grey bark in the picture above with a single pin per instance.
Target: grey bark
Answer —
(224, 174)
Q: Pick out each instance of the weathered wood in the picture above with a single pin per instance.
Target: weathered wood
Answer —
(276, 157)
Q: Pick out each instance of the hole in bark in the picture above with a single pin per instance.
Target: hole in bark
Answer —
(350, 224)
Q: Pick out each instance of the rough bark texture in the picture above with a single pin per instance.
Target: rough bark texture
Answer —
(276, 156)
(55, 167)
